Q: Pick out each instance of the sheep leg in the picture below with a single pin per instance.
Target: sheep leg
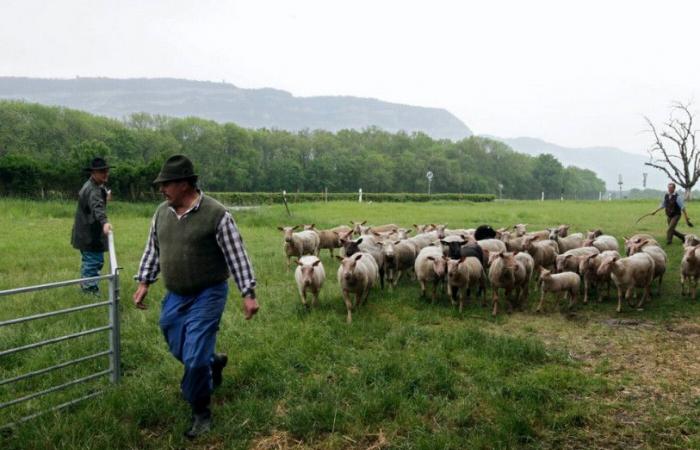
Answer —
(586, 286)
(302, 294)
(348, 305)
(315, 300)
(495, 302)
(619, 299)
(434, 297)
(684, 280)
(451, 294)
(539, 306)
(422, 288)
(661, 280)
(572, 298)
(381, 276)
(365, 296)
(461, 299)
(631, 296)
(647, 294)
(695, 286)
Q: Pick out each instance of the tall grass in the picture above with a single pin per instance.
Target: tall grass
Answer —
(405, 374)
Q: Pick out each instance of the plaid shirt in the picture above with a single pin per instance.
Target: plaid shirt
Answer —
(230, 243)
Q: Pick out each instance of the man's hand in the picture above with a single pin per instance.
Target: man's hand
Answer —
(140, 296)
(250, 307)
(107, 228)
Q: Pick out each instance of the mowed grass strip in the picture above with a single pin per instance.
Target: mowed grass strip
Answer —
(405, 374)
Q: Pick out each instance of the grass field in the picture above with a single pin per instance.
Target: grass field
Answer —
(405, 374)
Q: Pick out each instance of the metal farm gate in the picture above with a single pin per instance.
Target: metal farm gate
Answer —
(112, 328)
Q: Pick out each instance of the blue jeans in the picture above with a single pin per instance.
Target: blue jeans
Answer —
(90, 265)
(189, 324)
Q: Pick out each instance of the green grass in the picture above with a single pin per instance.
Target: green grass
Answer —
(405, 374)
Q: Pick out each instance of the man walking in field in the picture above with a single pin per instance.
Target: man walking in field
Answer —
(674, 206)
(196, 245)
(91, 226)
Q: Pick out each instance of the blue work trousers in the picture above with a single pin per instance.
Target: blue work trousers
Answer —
(189, 324)
(90, 266)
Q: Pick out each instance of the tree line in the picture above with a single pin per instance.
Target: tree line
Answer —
(43, 149)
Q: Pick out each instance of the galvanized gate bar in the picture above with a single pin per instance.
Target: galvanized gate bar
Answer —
(52, 409)
(52, 368)
(54, 340)
(57, 284)
(114, 333)
(54, 389)
(54, 313)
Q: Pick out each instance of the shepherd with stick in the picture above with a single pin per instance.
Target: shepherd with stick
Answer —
(674, 206)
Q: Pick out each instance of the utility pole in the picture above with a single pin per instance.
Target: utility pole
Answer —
(619, 182)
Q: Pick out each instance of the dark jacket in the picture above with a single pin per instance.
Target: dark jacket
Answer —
(90, 216)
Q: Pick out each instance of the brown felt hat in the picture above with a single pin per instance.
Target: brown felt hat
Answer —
(97, 164)
(177, 167)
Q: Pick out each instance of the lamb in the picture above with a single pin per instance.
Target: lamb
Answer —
(690, 269)
(602, 242)
(484, 232)
(636, 271)
(657, 253)
(566, 243)
(588, 269)
(543, 252)
(567, 282)
(509, 274)
(356, 227)
(399, 256)
(456, 248)
(520, 229)
(462, 275)
(356, 275)
(592, 234)
(367, 244)
(569, 262)
(430, 266)
(300, 243)
(309, 275)
(329, 239)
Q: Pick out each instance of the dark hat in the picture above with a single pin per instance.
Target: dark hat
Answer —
(177, 167)
(97, 164)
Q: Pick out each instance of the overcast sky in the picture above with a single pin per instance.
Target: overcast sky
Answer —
(572, 73)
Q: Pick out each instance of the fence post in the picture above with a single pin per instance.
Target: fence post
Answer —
(114, 332)
(542, 199)
(360, 199)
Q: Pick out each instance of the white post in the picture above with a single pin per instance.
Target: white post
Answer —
(542, 196)
(600, 196)
(360, 199)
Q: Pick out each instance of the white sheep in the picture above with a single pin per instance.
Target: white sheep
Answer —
(656, 252)
(691, 240)
(637, 238)
(464, 274)
(508, 273)
(309, 275)
(356, 275)
(566, 282)
(544, 252)
(300, 243)
(569, 261)
(603, 242)
(588, 269)
(690, 269)
(568, 242)
(399, 256)
(430, 266)
(636, 271)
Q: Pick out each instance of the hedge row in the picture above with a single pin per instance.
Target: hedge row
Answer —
(267, 198)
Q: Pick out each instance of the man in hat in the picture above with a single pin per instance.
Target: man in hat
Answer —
(674, 206)
(195, 244)
(91, 225)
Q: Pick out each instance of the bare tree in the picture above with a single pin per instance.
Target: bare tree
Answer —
(675, 151)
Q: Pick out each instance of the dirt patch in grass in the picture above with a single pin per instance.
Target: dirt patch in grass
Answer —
(652, 367)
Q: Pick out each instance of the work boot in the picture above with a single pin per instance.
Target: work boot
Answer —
(217, 367)
(201, 424)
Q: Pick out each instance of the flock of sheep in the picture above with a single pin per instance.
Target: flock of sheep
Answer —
(463, 260)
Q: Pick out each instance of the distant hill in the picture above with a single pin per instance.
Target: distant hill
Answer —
(223, 102)
(607, 162)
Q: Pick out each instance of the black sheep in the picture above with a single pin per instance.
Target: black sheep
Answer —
(484, 232)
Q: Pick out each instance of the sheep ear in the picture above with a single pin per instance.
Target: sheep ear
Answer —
(313, 225)
(397, 242)
(359, 241)
(295, 227)
(431, 258)
(462, 242)
(444, 242)
(316, 263)
(339, 258)
(358, 257)
(362, 223)
(299, 263)
(280, 228)
(409, 231)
